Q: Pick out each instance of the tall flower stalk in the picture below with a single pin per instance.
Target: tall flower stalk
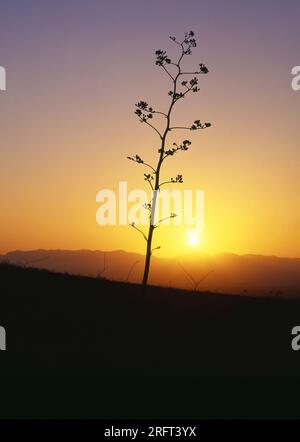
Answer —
(182, 84)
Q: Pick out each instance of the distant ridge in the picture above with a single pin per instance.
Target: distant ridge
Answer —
(256, 275)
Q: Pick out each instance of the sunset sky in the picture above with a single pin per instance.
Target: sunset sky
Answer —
(76, 68)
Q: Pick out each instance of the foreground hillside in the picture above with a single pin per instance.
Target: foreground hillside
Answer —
(58, 323)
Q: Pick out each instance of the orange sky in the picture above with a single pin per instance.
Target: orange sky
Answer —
(67, 125)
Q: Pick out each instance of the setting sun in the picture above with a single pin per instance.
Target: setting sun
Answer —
(192, 238)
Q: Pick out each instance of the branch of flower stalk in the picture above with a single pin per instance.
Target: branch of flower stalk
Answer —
(161, 113)
(192, 73)
(142, 162)
(141, 232)
(177, 180)
(166, 70)
(148, 178)
(165, 182)
(154, 128)
(173, 215)
(148, 165)
(203, 126)
(155, 248)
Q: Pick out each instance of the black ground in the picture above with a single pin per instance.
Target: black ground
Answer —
(63, 324)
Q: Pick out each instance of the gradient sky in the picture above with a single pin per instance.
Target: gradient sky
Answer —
(75, 69)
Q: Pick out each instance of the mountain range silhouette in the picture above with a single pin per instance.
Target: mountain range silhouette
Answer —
(254, 275)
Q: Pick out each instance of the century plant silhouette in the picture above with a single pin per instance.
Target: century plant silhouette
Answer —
(182, 85)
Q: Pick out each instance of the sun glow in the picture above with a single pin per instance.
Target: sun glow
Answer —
(192, 238)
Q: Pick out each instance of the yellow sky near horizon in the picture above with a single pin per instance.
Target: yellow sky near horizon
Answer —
(245, 212)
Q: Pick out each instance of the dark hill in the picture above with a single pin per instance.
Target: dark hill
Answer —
(58, 323)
